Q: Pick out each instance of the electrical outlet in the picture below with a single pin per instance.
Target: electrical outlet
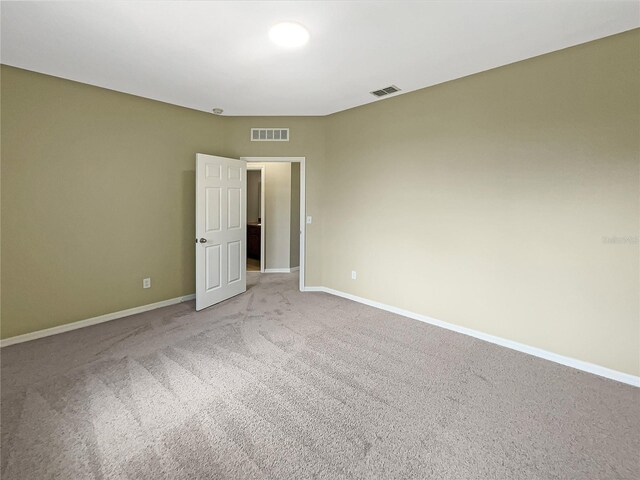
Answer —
(354, 275)
(146, 283)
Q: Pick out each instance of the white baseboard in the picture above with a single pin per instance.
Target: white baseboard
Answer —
(315, 289)
(537, 352)
(92, 321)
(281, 270)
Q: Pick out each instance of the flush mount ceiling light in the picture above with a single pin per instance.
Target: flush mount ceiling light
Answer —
(289, 35)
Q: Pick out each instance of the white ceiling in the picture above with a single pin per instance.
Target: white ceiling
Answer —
(217, 54)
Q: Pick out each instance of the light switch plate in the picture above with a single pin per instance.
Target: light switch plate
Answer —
(309, 219)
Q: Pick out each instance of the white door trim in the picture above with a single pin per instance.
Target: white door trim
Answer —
(262, 212)
(303, 208)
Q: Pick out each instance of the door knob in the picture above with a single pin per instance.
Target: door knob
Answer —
(203, 240)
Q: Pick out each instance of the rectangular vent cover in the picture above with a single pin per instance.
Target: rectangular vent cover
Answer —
(269, 134)
(385, 91)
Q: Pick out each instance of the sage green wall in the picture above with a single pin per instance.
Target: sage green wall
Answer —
(97, 193)
(484, 202)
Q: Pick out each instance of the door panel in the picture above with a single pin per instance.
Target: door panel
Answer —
(235, 261)
(213, 171)
(234, 205)
(235, 173)
(214, 204)
(220, 229)
(212, 259)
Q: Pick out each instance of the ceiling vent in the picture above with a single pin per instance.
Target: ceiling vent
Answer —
(385, 91)
(269, 134)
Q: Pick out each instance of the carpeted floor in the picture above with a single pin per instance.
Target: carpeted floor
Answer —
(253, 265)
(277, 384)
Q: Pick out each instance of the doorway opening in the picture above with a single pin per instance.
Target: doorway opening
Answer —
(255, 213)
(276, 215)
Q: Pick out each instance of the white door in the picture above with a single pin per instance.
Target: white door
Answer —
(221, 235)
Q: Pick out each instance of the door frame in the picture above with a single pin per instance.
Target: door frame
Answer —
(303, 208)
(262, 210)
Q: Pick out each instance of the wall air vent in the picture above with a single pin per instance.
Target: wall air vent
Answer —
(269, 134)
(385, 91)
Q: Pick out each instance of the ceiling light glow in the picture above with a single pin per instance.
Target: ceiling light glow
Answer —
(289, 35)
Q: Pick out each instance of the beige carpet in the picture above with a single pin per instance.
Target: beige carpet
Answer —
(276, 384)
